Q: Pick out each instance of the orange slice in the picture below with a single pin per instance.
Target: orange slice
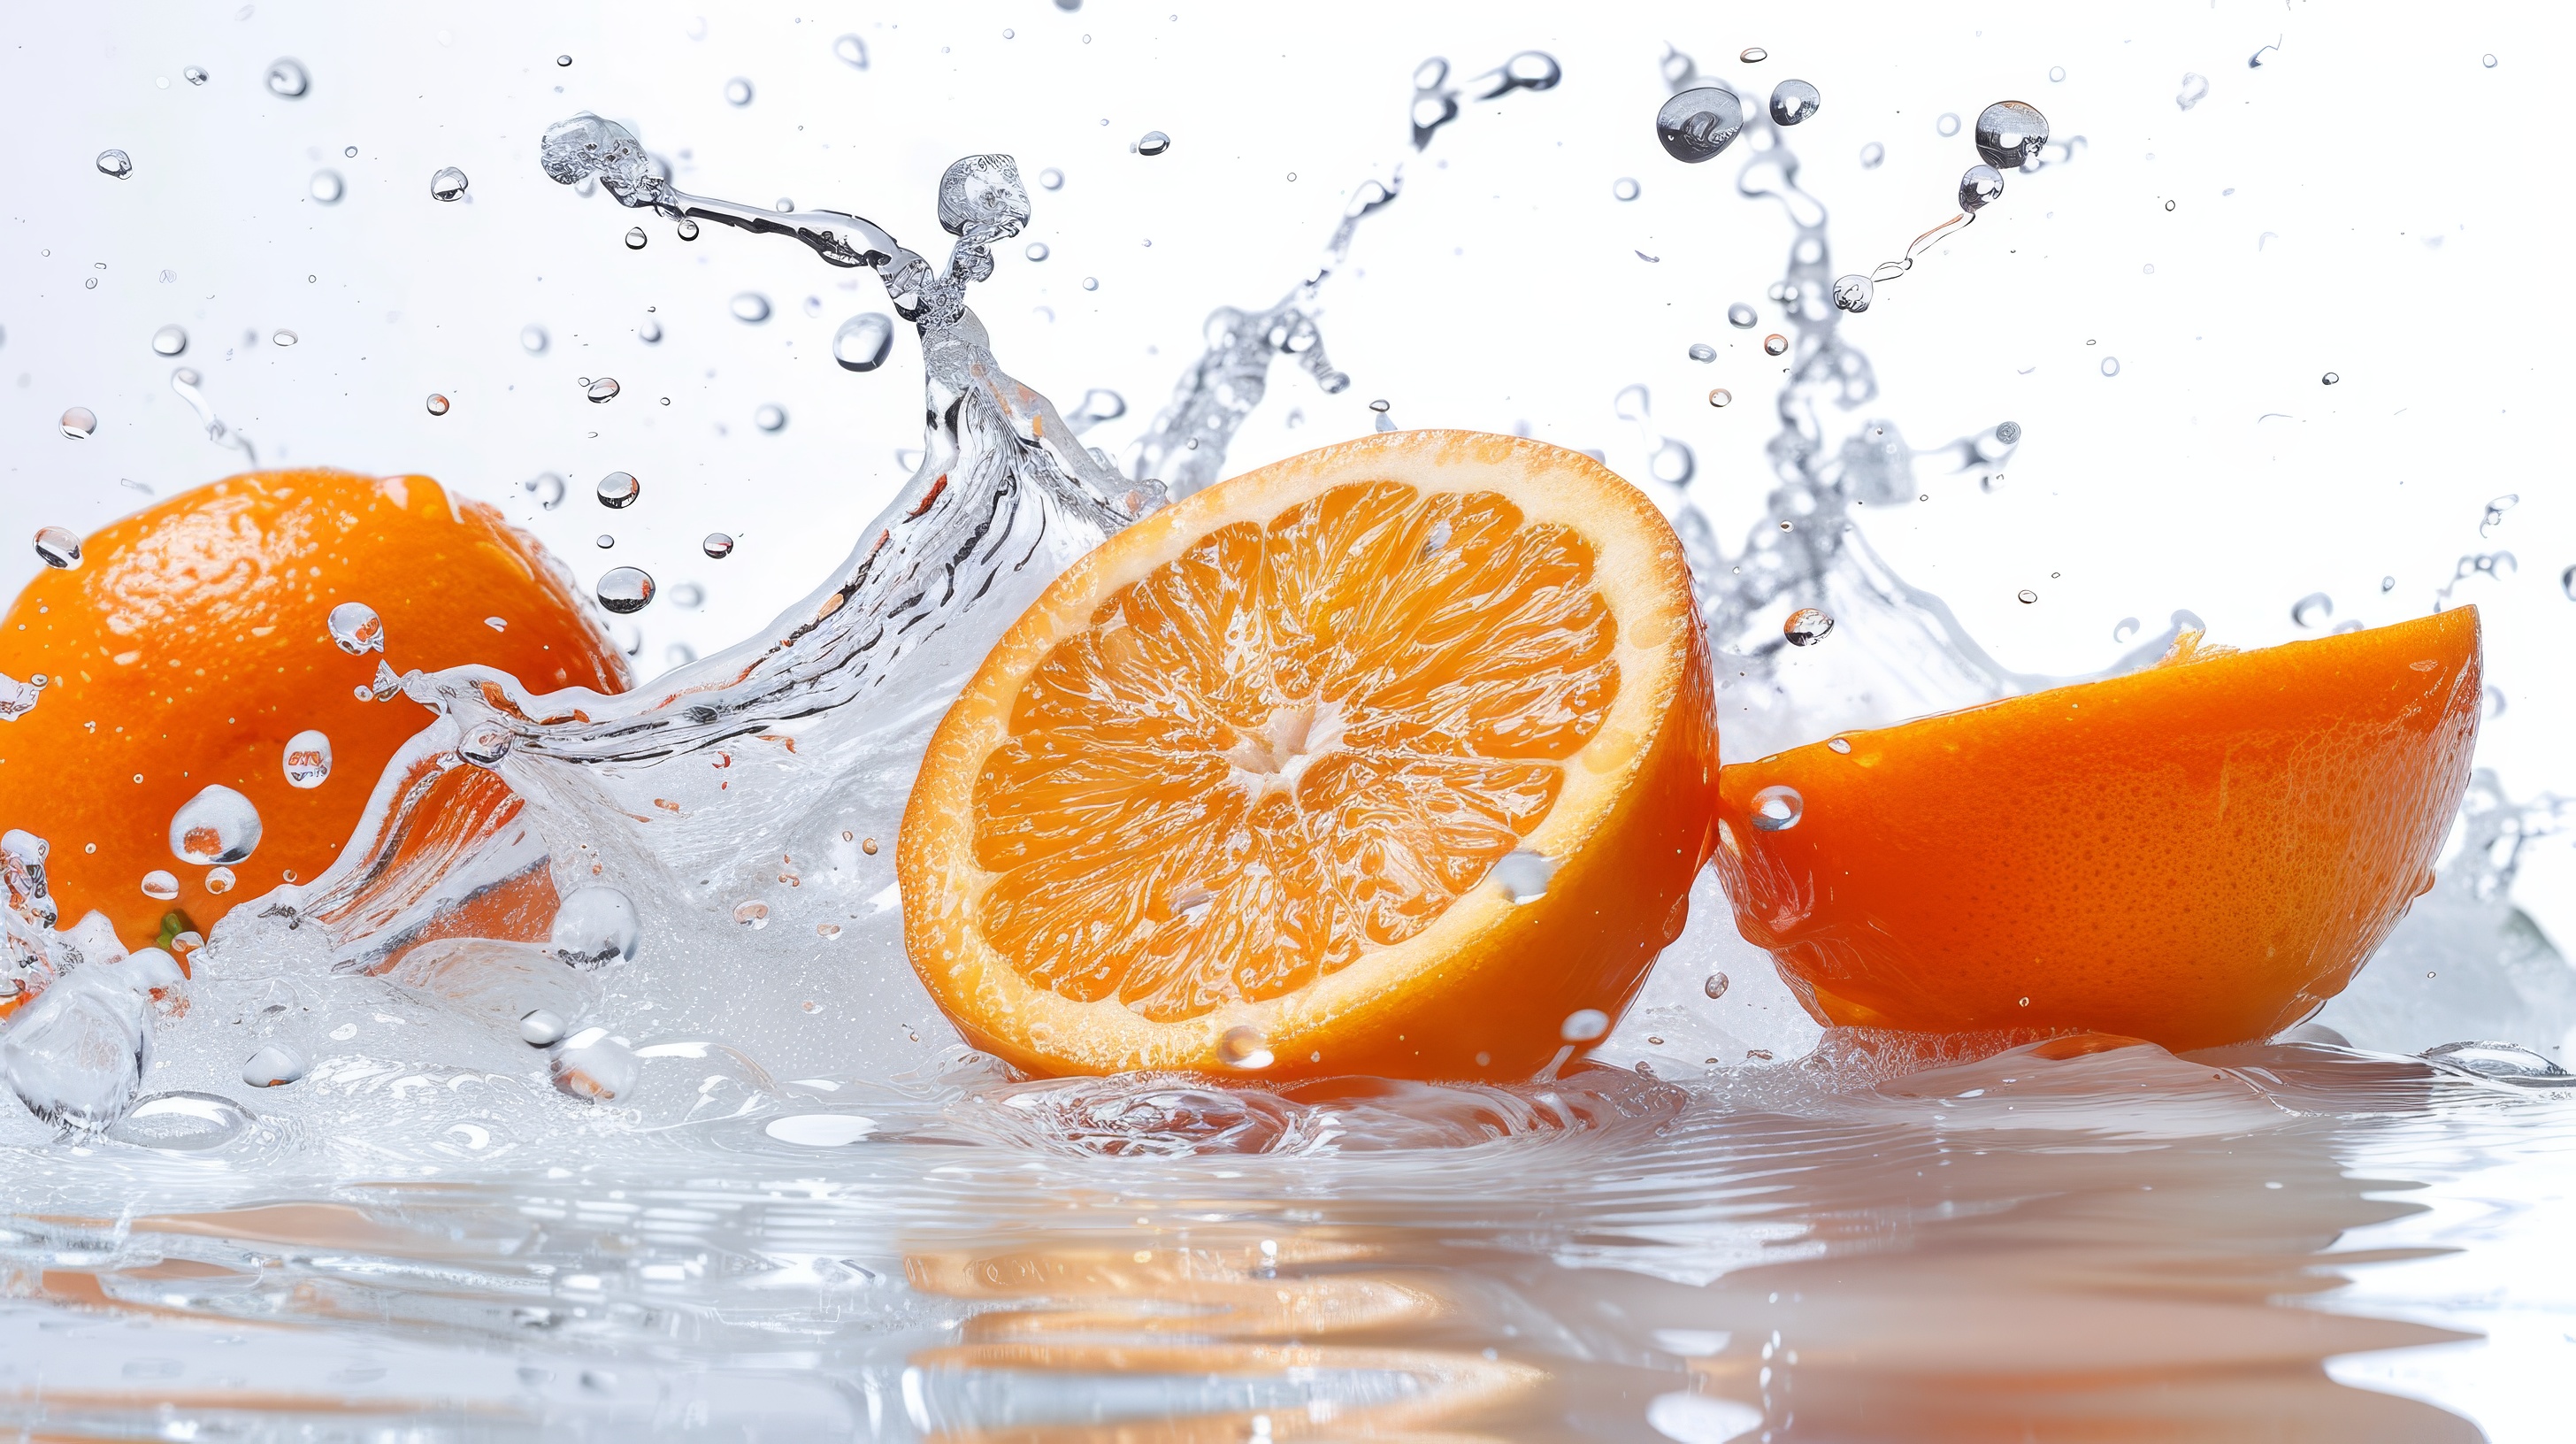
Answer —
(1396, 757)
(2196, 854)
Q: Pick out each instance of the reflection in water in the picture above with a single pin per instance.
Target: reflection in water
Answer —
(2075, 1239)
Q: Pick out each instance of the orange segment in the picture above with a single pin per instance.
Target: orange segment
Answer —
(191, 644)
(2196, 854)
(1256, 784)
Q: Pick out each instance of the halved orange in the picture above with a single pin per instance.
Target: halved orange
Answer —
(1397, 757)
(2196, 854)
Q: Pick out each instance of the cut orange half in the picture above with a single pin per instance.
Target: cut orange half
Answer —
(2196, 854)
(1397, 757)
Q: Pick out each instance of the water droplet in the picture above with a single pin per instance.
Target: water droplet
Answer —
(447, 184)
(1702, 351)
(2110, 365)
(284, 338)
(1623, 189)
(2195, 89)
(618, 490)
(2010, 134)
(1037, 251)
(717, 545)
(595, 926)
(737, 91)
(2312, 609)
(59, 547)
(170, 340)
(1243, 1048)
(753, 915)
(533, 339)
(437, 404)
(1714, 985)
(115, 163)
(593, 1065)
(863, 342)
(1091, 283)
(852, 51)
(548, 487)
(980, 197)
(2026, 596)
(1523, 874)
(1777, 808)
(1753, 55)
(219, 880)
(195, 74)
(1793, 101)
(386, 684)
(1152, 142)
(1741, 316)
(486, 743)
(1721, 398)
(1583, 1025)
(635, 238)
(2009, 433)
(1947, 125)
(1979, 187)
(287, 78)
(327, 187)
(1853, 293)
(159, 885)
(1806, 627)
(216, 825)
(356, 628)
(601, 390)
(2487, 60)
(1872, 156)
(541, 1029)
(1697, 124)
(79, 422)
(2331, 378)
(307, 759)
(1775, 344)
(750, 307)
(626, 589)
(274, 1066)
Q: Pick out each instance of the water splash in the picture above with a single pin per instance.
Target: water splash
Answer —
(188, 385)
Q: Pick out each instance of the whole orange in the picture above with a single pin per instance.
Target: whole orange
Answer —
(191, 643)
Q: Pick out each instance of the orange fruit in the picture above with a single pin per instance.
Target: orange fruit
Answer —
(1254, 786)
(191, 644)
(2199, 853)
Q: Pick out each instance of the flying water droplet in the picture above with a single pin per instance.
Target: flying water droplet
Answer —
(737, 91)
(1806, 627)
(2026, 596)
(1775, 344)
(717, 545)
(274, 1066)
(635, 238)
(1979, 187)
(618, 490)
(287, 78)
(541, 1029)
(58, 547)
(2010, 134)
(356, 628)
(1523, 874)
(447, 185)
(602, 389)
(548, 488)
(2330, 378)
(170, 340)
(195, 74)
(595, 926)
(115, 163)
(1777, 808)
(2195, 89)
(1853, 293)
(1872, 156)
(1947, 125)
(1793, 101)
(1753, 55)
(1702, 351)
(218, 825)
(1697, 124)
(1721, 398)
(750, 307)
(769, 417)
(625, 590)
(1244, 1048)
(863, 342)
(1152, 142)
(1037, 251)
(437, 404)
(1741, 316)
(1051, 178)
(219, 880)
(1583, 1025)
(1714, 985)
(79, 422)
(534, 340)
(2110, 365)
(327, 187)
(307, 759)
(159, 885)
(2312, 609)
(1623, 189)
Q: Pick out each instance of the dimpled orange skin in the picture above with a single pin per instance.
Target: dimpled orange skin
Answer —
(2196, 854)
(190, 644)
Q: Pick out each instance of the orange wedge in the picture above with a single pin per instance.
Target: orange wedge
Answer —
(1397, 757)
(2196, 854)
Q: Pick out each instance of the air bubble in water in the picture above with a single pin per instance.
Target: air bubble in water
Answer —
(625, 590)
(287, 77)
(447, 184)
(1853, 293)
(595, 926)
(769, 417)
(618, 490)
(1583, 1025)
(1714, 985)
(1741, 316)
(717, 545)
(1152, 142)
(1793, 101)
(541, 1029)
(737, 91)
(2010, 134)
(115, 163)
(217, 825)
(1697, 124)
(1037, 251)
(1623, 189)
(1777, 808)
(548, 487)
(58, 547)
(1243, 1048)
(2195, 89)
(635, 238)
(1979, 187)
(593, 1065)
(356, 628)
(1806, 627)
(327, 187)
(852, 51)
(1947, 125)
(1702, 351)
(1872, 155)
(1775, 344)
(753, 915)
(79, 422)
(750, 307)
(1523, 874)
(2312, 609)
(307, 759)
(274, 1066)
(159, 885)
(863, 342)
(1721, 398)
(485, 743)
